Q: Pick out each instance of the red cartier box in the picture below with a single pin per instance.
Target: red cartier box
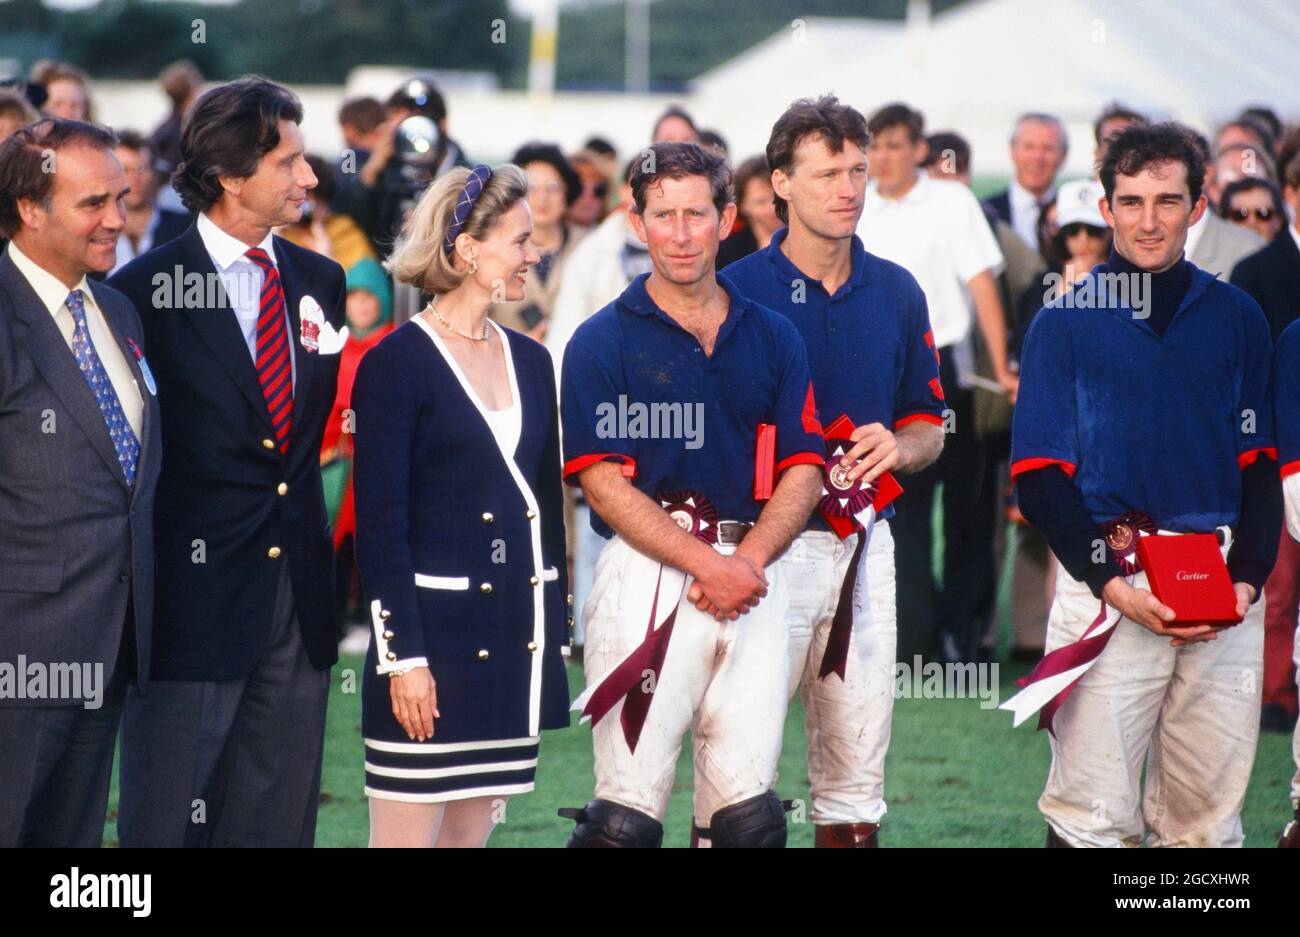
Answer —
(1187, 573)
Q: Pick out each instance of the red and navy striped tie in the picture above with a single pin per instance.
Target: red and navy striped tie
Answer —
(274, 367)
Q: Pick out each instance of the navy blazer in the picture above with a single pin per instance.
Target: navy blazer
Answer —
(1271, 276)
(230, 508)
(1000, 204)
(460, 544)
(76, 543)
(171, 225)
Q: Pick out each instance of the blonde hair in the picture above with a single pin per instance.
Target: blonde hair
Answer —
(420, 257)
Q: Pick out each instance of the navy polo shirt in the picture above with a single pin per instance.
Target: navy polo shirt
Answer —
(1286, 399)
(870, 347)
(1143, 422)
(637, 388)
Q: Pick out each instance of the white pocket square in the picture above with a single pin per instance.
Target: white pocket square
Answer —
(317, 335)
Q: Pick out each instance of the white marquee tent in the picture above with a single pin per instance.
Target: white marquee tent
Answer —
(975, 67)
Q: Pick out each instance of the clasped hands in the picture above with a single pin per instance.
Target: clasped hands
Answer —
(729, 587)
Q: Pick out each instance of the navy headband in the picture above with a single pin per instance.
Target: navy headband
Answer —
(478, 178)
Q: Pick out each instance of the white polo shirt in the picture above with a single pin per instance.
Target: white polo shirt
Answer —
(938, 232)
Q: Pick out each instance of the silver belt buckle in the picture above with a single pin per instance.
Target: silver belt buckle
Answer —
(731, 533)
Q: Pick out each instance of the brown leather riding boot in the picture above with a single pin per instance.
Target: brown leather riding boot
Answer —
(1291, 834)
(847, 835)
(1054, 841)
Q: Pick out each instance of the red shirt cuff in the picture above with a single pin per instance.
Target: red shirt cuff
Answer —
(918, 418)
(1020, 466)
(800, 458)
(1250, 455)
(576, 465)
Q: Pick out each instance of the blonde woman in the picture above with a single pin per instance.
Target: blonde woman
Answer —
(460, 530)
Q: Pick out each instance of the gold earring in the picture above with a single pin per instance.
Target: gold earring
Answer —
(473, 266)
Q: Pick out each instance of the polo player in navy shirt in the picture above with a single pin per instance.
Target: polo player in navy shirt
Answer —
(663, 394)
(1144, 410)
(865, 324)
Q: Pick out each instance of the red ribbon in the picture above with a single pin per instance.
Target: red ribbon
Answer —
(835, 659)
(1075, 654)
(627, 681)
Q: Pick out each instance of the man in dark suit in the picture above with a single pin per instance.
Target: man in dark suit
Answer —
(148, 225)
(1272, 277)
(225, 748)
(1038, 148)
(78, 470)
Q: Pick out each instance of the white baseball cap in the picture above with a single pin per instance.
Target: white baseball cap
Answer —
(1077, 201)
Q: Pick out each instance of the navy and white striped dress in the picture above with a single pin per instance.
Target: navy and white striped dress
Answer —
(462, 555)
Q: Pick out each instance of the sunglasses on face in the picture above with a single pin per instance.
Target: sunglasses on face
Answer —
(599, 189)
(1071, 230)
(1242, 215)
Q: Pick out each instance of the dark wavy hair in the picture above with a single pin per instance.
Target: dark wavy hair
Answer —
(825, 118)
(228, 132)
(677, 161)
(551, 155)
(1139, 145)
(24, 171)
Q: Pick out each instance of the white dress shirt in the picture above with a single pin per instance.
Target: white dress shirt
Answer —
(938, 232)
(242, 280)
(54, 295)
(1025, 209)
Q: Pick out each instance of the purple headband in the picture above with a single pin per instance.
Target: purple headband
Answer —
(478, 178)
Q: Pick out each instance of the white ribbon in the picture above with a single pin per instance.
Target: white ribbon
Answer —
(1041, 692)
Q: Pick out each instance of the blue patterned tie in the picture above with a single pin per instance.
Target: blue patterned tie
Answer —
(119, 430)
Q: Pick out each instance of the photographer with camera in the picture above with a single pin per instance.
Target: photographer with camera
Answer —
(412, 150)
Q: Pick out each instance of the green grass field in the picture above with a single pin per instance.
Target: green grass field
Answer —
(957, 775)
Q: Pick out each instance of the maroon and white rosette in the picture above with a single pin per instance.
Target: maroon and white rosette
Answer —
(1122, 537)
(842, 496)
(634, 678)
(845, 501)
(847, 505)
(693, 513)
